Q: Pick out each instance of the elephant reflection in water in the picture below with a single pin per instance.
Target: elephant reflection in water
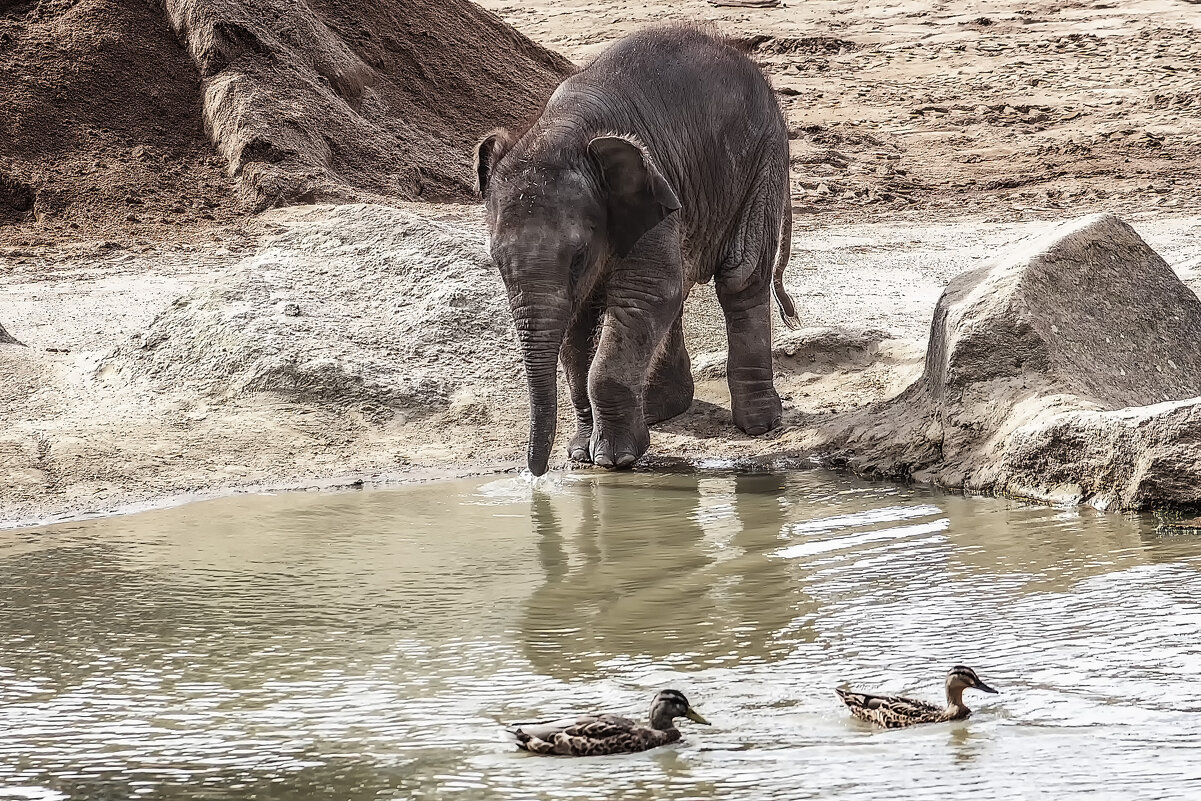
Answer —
(677, 570)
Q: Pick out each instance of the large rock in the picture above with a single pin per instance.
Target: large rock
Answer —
(363, 307)
(1088, 309)
(1068, 371)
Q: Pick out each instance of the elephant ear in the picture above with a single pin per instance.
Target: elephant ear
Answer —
(488, 153)
(639, 197)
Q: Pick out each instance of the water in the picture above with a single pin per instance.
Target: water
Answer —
(366, 645)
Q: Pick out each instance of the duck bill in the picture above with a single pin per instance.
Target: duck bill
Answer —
(985, 688)
(695, 716)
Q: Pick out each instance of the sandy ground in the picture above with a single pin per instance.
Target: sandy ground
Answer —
(998, 108)
(99, 444)
(927, 138)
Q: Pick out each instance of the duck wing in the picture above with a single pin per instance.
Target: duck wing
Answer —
(592, 727)
(547, 729)
(602, 727)
(890, 711)
(587, 736)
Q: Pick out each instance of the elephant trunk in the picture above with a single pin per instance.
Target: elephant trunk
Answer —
(541, 323)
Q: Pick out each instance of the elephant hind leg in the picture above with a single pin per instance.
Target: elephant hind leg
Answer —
(744, 289)
(670, 389)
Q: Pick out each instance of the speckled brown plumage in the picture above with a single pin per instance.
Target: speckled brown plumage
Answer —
(596, 735)
(894, 712)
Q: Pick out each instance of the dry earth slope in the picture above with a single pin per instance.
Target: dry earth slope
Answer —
(128, 117)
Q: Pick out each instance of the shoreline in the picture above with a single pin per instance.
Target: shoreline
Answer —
(332, 484)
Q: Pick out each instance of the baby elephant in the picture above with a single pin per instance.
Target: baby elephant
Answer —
(662, 164)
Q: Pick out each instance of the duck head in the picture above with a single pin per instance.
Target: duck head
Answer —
(961, 678)
(669, 705)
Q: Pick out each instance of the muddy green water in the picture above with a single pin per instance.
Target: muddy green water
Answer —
(365, 645)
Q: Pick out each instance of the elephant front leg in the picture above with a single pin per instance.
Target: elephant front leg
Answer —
(631, 335)
(576, 355)
(617, 387)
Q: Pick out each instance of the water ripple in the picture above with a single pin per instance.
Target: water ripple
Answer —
(370, 645)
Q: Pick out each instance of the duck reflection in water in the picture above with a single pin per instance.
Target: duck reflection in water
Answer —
(671, 568)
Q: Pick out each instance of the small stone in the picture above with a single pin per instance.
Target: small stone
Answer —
(291, 310)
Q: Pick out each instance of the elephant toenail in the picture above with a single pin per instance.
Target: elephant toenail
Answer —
(626, 459)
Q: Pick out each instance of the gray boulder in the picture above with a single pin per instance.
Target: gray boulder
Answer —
(1068, 371)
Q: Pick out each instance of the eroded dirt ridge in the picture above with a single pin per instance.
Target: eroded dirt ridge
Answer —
(113, 107)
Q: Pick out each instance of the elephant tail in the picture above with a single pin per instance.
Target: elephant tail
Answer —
(783, 254)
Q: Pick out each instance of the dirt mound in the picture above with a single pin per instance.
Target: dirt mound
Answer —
(809, 351)
(363, 307)
(383, 96)
(101, 125)
(1069, 371)
(113, 107)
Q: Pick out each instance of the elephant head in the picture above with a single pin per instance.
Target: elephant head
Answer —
(557, 213)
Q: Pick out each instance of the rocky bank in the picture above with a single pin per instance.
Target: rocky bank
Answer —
(1069, 371)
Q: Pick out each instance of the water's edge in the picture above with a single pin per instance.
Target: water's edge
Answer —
(334, 484)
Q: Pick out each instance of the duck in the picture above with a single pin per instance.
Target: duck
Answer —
(594, 735)
(893, 712)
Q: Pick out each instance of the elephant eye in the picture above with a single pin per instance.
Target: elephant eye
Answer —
(578, 260)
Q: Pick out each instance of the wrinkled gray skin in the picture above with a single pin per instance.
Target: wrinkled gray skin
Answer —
(662, 164)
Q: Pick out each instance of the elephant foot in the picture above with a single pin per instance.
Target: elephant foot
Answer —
(578, 447)
(666, 402)
(760, 416)
(620, 450)
(618, 462)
